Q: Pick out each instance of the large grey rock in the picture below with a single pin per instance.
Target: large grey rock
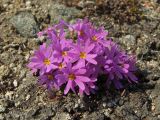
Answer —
(58, 12)
(25, 24)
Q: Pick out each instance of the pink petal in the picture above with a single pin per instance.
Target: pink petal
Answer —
(53, 66)
(83, 78)
(90, 60)
(91, 55)
(69, 85)
(80, 64)
(126, 66)
(89, 48)
(80, 71)
(132, 77)
(80, 84)
(125, 70)
(48, 68)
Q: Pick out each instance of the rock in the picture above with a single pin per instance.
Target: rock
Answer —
(157, 105)
(1, 117)
(40, 112)
(2, 108)
(104, 104)
(4, 71)
(62, 116)
(25, 24)
(15, 83)
(58, 12)
(107, 112)
(94, 116)
(111, 104)
(28, 4)
(3, 105)
(28, 97)
(9, 95)
(128, 40)
(156, 98)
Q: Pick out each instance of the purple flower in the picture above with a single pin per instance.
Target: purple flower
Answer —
(49, 81)
(98, 36)
(83, 54)
(90, 87)
(118, 66)
(62, 51)
(42, 60)
(77, 55)
(73, 77)
(82, 27)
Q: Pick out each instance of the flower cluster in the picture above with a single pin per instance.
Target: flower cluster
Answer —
(76, 55)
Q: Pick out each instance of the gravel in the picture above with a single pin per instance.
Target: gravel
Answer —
(22, 99)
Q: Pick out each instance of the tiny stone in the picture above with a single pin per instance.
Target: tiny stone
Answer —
(15, 83)
(104, 98)
(28, 3)
(1, 117)
(5, 5)
(79, 101)
(104, 104)
(129, 40)
(8, 95)
(121, 102)
(135, 111)
(106, 113)
(27, 97)
(2, 108)
(153, 107)
(76, 106)
(12, 65)
(17, 103)
(110, 104)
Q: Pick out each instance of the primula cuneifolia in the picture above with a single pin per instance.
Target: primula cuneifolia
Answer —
(76, 55)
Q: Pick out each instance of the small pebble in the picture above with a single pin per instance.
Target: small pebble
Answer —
(76, 106)
(104, 104)
(9, 95)
(2, 108)
(17, 104)
(1, 117)
(153, 107)
(28, 4)
(27, 97)
(15, 83)
(107, 112)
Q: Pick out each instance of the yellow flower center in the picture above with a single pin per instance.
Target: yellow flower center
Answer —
(50, 77)
(61, 65)
(83, 55)
(47, 61)
(64, 53)
(94, 38)
(81, 33)
(71, 77)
